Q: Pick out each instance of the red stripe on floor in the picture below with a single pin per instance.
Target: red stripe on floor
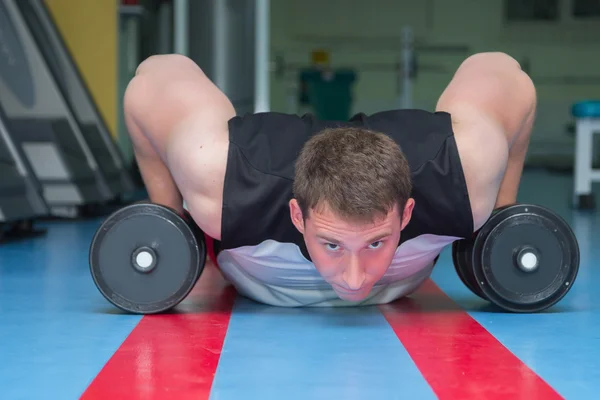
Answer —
(457, 356)
(172, 356)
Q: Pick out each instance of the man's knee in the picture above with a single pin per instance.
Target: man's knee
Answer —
(166, 63)
(499, 61)
(491, 59)
(507, 72)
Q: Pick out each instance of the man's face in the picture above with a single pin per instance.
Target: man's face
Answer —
(351, 257)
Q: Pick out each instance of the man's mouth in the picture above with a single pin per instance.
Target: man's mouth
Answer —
(348, 291)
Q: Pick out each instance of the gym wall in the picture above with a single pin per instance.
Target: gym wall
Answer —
(365, 36)
(89, 28)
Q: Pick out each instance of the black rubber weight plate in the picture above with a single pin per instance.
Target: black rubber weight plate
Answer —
(461, 258)
(498, 274)
(166, 233)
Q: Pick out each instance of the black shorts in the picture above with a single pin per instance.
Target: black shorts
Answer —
(260, 172)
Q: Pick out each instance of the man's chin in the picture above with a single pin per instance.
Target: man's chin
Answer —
(357, 295)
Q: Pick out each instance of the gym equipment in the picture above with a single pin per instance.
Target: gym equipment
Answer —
(525, 258)
(462, 251)
(145, 258)
(21, 200)
(41, 123)
(76, 94)
(329, 92)
(406, 66)
(587, 115)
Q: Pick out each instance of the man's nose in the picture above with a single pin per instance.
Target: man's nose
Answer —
(354, 275)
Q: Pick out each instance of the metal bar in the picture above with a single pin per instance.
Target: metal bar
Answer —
(165, 28)
(132, 10)
(378, 43)
(406, 72)
(181, 31)
(566, 80)
(371, 67)
(261, 56)
(220, 40)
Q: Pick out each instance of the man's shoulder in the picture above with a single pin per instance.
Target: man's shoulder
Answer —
(386, 121)
(403, 116)
(271, 118)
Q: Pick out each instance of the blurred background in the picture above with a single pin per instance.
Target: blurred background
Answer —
(333, 58)
(556, 42)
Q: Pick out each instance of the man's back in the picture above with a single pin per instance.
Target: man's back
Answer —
(266, 257)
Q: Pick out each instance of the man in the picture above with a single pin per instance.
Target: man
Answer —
(324, 213)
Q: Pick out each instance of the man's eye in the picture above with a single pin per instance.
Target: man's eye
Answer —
(331, 246)
(376, 245)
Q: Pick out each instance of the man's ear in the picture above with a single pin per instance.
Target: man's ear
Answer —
(296, 215)
(407, 212)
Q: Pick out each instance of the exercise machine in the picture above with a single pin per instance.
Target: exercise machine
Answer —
(42, 124)
(21, 200)
(76, 94)
(587, 124)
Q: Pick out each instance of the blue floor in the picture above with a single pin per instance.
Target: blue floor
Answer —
(57, 332)
(561, 344)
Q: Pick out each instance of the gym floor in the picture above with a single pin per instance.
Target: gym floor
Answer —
(60, 339)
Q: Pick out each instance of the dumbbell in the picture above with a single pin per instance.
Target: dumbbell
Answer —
(525, 258)
(145, 258)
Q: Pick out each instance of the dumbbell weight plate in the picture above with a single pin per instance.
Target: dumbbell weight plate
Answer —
(462, 257)
(199, 235)
(462, 251)
(145, 259)
(525, 258)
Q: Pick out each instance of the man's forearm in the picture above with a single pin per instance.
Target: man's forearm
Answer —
(157, 178)
(509, 188)
(159, 183)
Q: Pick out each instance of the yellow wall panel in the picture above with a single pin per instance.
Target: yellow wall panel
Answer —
(90, 29)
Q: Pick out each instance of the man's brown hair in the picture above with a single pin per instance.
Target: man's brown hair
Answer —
(359, 174)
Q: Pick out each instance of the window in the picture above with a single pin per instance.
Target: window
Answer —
(585, 8)
(532, 10)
